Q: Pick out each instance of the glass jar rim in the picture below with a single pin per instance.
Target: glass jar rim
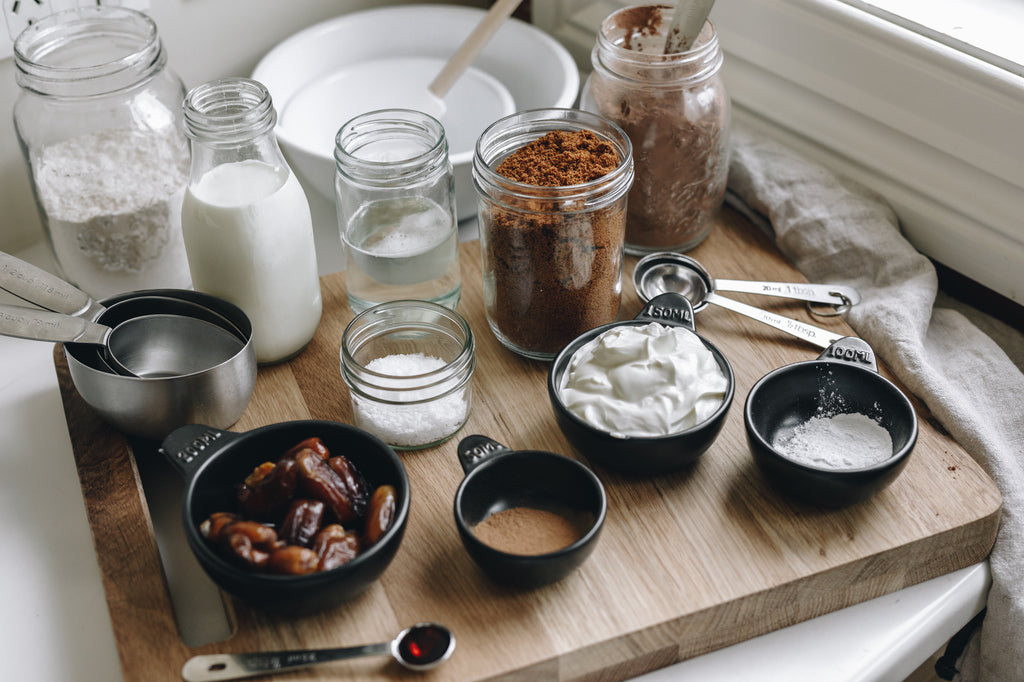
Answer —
(228, 110)
(359, 378)
(132, 51)
(371, 126)
(702, 61)
(515, 130)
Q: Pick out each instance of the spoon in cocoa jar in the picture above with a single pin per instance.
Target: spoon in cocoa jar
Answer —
(420, 647)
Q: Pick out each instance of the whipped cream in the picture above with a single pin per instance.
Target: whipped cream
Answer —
(643, 380)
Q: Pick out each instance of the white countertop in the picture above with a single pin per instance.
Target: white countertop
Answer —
(54, 624)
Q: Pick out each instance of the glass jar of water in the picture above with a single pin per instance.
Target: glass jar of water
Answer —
(396, 209)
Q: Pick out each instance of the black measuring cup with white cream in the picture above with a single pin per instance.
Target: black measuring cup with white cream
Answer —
(638, 454)
(795, 410)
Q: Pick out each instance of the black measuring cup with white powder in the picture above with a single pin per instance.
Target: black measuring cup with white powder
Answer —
(830, 431)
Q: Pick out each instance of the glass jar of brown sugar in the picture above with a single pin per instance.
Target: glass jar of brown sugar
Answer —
(675, 110)
(552, 187)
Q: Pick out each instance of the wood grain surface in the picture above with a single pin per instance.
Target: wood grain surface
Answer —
(687, 563)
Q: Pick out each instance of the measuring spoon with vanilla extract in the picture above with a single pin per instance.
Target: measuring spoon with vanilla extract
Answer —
(420, 647)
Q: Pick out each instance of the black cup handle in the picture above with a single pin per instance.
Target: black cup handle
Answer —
(671, 308)
(189, 446)
(476, 449)
(852, 351)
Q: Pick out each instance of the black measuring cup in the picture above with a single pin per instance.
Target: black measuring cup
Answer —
(843, 379)
(641, 455)
(498, 479)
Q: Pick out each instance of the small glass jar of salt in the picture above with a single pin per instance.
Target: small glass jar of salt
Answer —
(395, 196)
(408, 366)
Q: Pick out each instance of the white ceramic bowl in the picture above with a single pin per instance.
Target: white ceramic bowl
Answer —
(311, 75)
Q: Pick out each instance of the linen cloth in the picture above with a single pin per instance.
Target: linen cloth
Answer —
(836, 231)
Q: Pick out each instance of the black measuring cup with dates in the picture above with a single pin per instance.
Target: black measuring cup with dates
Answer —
(843, 379)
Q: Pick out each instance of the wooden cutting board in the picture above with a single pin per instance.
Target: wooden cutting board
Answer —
(687, 563)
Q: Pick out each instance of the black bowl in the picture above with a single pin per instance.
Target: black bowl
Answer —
(498, 478)
(636, 454)
(214, 462)
(845, 376)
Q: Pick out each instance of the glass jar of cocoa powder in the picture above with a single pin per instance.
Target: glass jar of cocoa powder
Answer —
(552, 187)
(675, 110)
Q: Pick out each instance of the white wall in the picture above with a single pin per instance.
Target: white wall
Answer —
(205, 39)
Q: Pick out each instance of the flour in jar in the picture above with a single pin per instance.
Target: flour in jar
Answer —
(839, 441)
(112, 206)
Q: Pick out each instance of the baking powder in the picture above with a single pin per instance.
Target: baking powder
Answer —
(840, 441)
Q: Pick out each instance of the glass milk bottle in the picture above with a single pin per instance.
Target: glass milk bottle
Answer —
(396, 209)
(98, 118)
(245, 218)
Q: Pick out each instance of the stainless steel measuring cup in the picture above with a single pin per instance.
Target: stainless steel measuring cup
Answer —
(658, 273)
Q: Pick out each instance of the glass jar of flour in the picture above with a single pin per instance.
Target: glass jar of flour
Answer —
(246, 220)
(396, 209)
(99, 121)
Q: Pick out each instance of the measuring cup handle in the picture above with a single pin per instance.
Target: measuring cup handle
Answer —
(43, 325)
(215, 667)
(671, 307)
(476, 449)
(852, 351)
(38, 286)
(832, 294)
(189, 446)
(819, 337)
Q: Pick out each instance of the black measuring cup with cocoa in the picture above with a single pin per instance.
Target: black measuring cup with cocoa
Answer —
(790, 418)
(527, 517)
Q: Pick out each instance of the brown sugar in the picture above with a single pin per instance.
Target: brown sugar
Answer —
(555, 264)
(561, 158)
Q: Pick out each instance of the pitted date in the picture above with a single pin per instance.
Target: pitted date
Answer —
(314, 444)
(293, 560)
(354, 482)
(318, 480)
(302, 522)
(335, 546)
(380, 514)
(267, 491)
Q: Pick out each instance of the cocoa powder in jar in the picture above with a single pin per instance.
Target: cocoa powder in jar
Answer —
(676, 112)
(555, 263)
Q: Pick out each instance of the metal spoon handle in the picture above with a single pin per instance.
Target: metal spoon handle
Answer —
(38, 286)
(819, 337)
(43, 325)
(212, 667)
(833, 294)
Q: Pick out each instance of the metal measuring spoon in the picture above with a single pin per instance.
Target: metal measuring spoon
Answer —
(420, 647)
(658, 273)
(147, 346)
(651, 281)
